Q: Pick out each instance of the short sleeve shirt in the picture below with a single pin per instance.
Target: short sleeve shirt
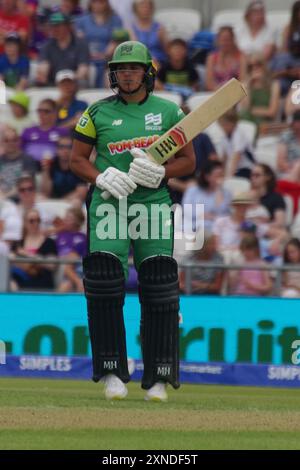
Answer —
(115, 127)
(71, 57)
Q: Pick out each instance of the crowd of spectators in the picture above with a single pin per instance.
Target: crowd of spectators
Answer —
(62, 47)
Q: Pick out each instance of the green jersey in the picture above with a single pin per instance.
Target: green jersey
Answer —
(115, 127)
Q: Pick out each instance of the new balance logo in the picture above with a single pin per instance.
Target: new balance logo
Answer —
(117, 122)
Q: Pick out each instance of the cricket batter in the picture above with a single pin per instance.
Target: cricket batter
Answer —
(121, 128)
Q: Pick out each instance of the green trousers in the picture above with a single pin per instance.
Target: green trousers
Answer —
(119, 226)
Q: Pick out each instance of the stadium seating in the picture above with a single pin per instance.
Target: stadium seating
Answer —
(196, 99)
(227, 17)
(180, 22)
(278, 21)
(168, 95)
(265, 151)
(94, 94)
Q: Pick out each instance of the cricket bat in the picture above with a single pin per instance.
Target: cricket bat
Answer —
(195, 122)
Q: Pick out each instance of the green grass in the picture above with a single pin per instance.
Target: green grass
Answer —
(43, 414)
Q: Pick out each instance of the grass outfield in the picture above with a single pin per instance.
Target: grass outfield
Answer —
(44, 414)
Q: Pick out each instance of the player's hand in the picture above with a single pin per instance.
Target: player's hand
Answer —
(145, 172)
(116, 182)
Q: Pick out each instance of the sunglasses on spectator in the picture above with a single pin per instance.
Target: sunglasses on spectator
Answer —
(45, 111)
(34, 220)
(26, 189)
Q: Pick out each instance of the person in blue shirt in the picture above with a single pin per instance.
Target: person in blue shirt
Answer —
(97, 28)
(14, 67)
(58, 181)
(69, 108)
(148, 31)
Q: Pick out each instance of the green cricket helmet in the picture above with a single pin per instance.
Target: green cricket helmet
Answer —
(133, 52)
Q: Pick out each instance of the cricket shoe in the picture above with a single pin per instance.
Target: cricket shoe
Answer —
(114, 388)
(158, 392)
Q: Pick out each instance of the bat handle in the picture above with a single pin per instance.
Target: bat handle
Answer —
(105, 195)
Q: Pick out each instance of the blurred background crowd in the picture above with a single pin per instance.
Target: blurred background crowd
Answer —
(53, 61)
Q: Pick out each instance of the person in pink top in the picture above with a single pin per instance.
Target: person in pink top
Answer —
(250, 282)
(225, 63)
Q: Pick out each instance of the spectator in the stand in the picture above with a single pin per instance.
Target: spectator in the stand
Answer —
(13, 163)
(97, 27)
(10, 225)
(29, 198)
(205, 152)
(263, 183)
(291, 279)
(20, 118)
(234, 148)
(69, 108)
(71, 8)
(228, 228)
(40, 142)
(261, 105)
(205, 280)
(178, 74)
(62, 51)
(288, 152)
(12, 21)
(286, 64)
(255, 35)
(14, 66)
(72, 244)
(33, 244)
(39, 31)
(209, 192)
(291, 36)
(225, 63)
(58, 181)
(250, 282)
(148, 31)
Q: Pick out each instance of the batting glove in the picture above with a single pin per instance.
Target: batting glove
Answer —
(145, 172)
(116, 182)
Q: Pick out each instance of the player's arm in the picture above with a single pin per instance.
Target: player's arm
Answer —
(84, 139)
(79, 161)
